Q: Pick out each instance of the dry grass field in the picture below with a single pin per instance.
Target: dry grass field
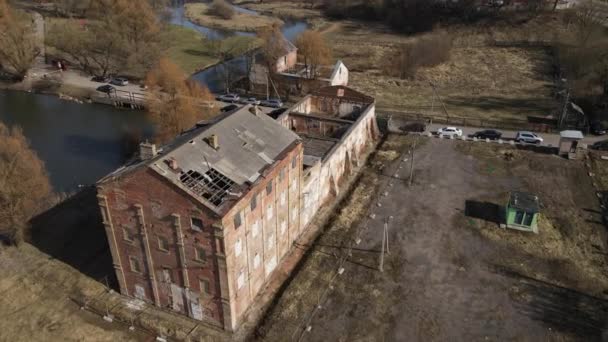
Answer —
(480, 79)
(198, 13)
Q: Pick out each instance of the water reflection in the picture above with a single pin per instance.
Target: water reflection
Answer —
(78, 143)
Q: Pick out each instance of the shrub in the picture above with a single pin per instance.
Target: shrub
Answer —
(222, 9)
(425, 52)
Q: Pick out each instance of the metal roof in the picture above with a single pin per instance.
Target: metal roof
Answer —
(571, 134)
(524, 201)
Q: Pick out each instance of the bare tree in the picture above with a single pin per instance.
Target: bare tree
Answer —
(274, 46)
(313, 47)
(18, 45)
(24, 184)
(174, 102)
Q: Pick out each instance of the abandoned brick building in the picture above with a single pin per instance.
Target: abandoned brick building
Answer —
(201, 224)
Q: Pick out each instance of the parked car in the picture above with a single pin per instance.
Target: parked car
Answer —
(106, 89)
(600, 145)
(488, 134)
(597, 128)
(528, 137)
(231, 98)
(251, 101)
(119, 81)
(100, 79)
(228, 108)
(449, 132)
(274, 103)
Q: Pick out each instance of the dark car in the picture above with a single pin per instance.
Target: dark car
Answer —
(106, 89)
(488, 134)
(597, 128)
(229, 108)
(600, 145)
(100, 79)
(277, 112)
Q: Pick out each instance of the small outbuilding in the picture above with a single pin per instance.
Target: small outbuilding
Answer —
(522, 212)
(568, 143)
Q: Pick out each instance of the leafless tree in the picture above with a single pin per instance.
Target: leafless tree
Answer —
(24, 184)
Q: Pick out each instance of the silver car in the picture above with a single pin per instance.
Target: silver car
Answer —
(528, 137)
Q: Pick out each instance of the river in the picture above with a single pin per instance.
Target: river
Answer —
(81, 143)
(78, 143)
(212, 77)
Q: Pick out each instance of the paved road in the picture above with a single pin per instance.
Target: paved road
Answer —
(549, 139)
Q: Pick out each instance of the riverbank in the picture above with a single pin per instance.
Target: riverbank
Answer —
(287, 11)
(240, 21)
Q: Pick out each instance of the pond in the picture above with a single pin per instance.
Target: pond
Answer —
(79, 143)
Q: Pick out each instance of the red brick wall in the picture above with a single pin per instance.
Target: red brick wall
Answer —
(160, 200)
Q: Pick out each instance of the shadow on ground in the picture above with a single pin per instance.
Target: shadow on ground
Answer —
(560, 308)
(72, 232)
(485, 211)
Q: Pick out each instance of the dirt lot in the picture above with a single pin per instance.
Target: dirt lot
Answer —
(450, 276)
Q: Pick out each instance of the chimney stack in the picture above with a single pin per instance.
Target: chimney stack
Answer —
(147, 150)
(213, 141)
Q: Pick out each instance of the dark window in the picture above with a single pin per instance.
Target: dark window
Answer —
(204, 286)
(269, 188)
(163, 243)
(197, 224)
(200, 254)
(281, 175)
(134, 263)
(294, 162)
(254, 202)
(128, 235)
(237, 220)
(528, 219)
(519, 217)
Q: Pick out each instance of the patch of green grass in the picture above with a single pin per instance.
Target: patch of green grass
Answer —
(192, 52)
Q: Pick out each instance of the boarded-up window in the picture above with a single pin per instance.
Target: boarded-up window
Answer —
(256, 261)
(269, 212)
(204, 286)
(237, 247)
(294, 162)
(134, 264)
(255, 228)
(283, 197)
(254, 202)
(167, 275)
(269, 188)
(270, 242)
(200, 254)
(163, 243)
(240, 280)
(237, 220)
(128, 234)
(283, 227)
(281, 175)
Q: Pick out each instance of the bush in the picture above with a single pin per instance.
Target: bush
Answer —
(222, 9)
(425, 52)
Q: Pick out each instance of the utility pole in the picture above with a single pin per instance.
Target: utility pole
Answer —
(445, 111)
(412, 163)
(384, 244)
(565, 109)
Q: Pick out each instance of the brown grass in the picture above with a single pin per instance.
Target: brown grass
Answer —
(200, 13)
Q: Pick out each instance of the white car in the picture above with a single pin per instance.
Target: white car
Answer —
(230, 98)
(528, 137)
(448, 132)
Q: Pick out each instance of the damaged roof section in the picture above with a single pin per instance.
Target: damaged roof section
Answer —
(324, 117)
(218, 161)
(221, 160)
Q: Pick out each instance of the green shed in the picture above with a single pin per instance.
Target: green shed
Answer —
(522, 212)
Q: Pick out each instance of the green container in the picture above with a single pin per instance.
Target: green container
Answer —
(522, 212)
